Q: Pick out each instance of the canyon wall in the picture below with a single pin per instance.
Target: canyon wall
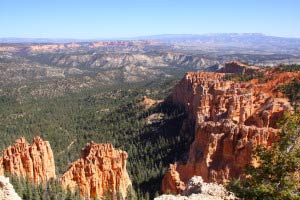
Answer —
(34, 161)
(100, 171)
(230, 119)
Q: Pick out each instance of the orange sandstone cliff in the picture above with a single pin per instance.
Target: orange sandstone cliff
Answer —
(100, 171)
(34, 161)
(229, 118)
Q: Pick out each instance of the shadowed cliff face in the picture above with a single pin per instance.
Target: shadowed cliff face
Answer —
(100, 171)
(34, 161)
(230, 119)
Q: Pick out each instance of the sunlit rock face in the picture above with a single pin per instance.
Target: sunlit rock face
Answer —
(230, 119)
(100, 171)
(33, 161)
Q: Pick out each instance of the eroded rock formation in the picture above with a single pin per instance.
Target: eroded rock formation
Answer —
(230, 118)
(148, 103)
(7, 191)
(100, 171)
(222, 149)
(237, 67)
(34, 161)
(172, 182)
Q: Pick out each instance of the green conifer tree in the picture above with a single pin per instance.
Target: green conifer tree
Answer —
(277, 176)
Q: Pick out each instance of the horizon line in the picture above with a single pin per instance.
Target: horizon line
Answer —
(140, 37)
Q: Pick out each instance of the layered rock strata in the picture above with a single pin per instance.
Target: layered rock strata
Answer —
(230, 119)
(33, 161)
(100, 171)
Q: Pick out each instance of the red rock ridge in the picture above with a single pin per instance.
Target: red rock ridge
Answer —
(34, 161)
(230, 118)
(100, 170)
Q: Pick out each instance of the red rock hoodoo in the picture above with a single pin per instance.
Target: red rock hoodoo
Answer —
(34, 161)
(172, 182)
(100, 171)
(230, 118)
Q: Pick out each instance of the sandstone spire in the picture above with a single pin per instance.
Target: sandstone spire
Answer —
(34, 161)
(100, 171)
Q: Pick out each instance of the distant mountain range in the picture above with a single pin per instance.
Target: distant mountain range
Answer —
(41, 40)
(245, 40)
(213, 37)
(216, 37)
(209, 36)
(224, 42)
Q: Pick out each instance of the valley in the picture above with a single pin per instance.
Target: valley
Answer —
(144, 115)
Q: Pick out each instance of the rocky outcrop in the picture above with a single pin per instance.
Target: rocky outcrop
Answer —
(230, 118)
(7, 191)
(100, 171)
(172, 182)
(222, 149)
(34, 161)
(147, 103)
(197, 189)
(236, 67)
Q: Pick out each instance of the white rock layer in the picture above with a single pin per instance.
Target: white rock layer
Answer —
(7, 191)
(197, 189)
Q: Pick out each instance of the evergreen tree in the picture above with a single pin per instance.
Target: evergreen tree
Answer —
(131, 195)
(68, 194)
(147, 196)
(292, 91)
(277, 176)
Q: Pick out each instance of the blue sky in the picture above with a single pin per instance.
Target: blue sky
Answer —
(127, 18)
